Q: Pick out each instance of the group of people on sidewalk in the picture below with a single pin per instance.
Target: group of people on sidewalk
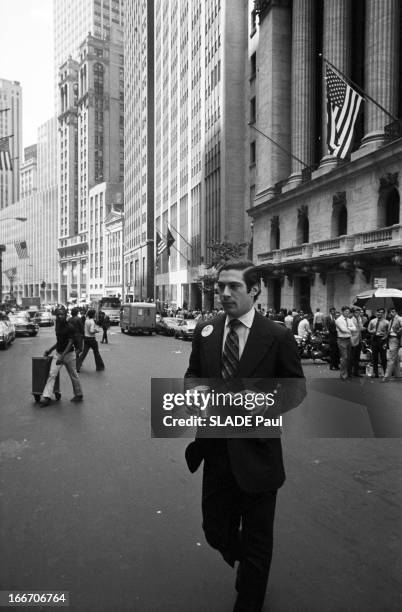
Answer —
(75, 337)
(345, 339)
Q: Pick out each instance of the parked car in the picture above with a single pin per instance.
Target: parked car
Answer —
(186, 329)
(7, 334)
(44, 318)
(169, 325)
(23, 324)
(11, 327)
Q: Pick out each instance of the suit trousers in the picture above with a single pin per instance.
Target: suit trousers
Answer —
(355, 359)
(91, 343)
(333, 352)
(239, 524)
(379, 351)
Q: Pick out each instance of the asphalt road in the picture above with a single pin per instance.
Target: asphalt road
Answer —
(91, 504)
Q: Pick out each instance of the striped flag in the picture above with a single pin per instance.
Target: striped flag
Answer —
(11, 273)
(21, 248)
(343, 104)
(160, 244)
(5, 157)
(169, 241)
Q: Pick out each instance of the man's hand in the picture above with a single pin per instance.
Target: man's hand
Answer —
(59, 361)
(195, 407)
(47, 353)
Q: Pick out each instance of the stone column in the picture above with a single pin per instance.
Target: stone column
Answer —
(273, 100)
(381, 67)
(69, 279)
(303, 85)
(336, 49)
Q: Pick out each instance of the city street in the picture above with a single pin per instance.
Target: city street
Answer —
(92, 505)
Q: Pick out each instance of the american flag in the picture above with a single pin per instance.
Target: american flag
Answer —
(160, 244)
(21, 248)
(343, 104)
(169, 240)
(5, 157)
(11, 273)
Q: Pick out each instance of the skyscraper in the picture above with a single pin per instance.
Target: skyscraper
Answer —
(91, 124)
(199, 57)
(11, 125)
(36, 275)
(89, 77)
(139, 149)
(73, 20)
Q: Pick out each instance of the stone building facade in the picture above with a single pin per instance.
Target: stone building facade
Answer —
(324, 228)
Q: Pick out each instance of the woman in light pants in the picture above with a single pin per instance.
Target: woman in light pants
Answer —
(69, 361)
(65, 355)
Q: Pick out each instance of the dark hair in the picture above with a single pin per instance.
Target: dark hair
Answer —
(74, 312)
(91, 313)
(251, 275)
(345, 308)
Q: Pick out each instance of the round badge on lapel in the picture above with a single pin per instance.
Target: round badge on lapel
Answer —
(207, 331)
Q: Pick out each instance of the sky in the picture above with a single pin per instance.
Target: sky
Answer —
(26, 55)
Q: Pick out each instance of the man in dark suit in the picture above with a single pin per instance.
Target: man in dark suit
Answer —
(330, 326)
(242, 475)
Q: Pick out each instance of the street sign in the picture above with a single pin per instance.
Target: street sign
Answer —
(380, 283)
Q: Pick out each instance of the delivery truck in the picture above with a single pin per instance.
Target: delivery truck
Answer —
(138, 318)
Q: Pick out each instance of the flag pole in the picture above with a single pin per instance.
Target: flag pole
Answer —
(279, 146)
(188, 261)
(358, 88)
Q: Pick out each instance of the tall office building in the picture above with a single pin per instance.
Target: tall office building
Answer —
(37, 273)
(74, 20)
(89, 83)
(326, 229)
(11, 125)
(139, 149)
(28, 171)
(200, 131)
(91, 145)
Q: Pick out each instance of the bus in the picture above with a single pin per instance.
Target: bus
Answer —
(111, 307)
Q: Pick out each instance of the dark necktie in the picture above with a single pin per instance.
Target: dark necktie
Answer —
(230, 355)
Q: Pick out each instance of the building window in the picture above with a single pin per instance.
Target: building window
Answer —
(253, 110)
(343, 221)
(303, 230)
(253, 22)
(253, 66)
(253, 152)
(388, 207)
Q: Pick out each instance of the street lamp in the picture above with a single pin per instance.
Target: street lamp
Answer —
(2, 249)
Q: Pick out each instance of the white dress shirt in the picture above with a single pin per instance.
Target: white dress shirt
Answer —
(345, 327)
(303, 328)
(242, 330)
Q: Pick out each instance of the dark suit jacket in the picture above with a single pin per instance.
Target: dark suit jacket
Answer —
(329, 324)
(270, 352)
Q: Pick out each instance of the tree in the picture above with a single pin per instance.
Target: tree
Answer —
(221, 253)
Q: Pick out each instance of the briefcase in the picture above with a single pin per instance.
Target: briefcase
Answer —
(40, 373)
